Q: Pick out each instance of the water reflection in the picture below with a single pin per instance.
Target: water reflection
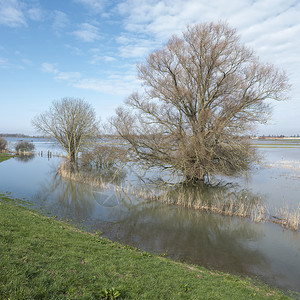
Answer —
(197, 237)
(24, 158)
(229, 199)
(81, 201)
(230, 244)
(66, 197)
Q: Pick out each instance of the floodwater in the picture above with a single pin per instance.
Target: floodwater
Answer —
(230, 244)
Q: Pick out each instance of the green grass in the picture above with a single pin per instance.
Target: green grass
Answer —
(5, 156)
(42, 258)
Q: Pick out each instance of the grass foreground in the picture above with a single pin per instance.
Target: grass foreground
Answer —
(5, 156)
(42, 258)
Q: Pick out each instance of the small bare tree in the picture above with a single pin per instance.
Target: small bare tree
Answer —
(202, 92)
(72, 122)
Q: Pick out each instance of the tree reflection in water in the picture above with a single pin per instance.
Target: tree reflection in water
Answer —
(231, 244)
(24, 158)
(66, 198)
(195, 236)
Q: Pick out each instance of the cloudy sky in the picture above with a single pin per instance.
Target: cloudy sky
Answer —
(89, 49)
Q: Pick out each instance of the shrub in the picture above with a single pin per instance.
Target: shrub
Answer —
(102, 157)
(3, 144)
(24, 146)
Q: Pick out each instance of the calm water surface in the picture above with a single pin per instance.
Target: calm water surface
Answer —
(234, 245)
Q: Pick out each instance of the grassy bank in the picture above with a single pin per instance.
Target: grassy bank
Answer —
(41, 258)
(4, 156)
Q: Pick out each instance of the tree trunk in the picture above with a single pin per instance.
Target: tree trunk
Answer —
(73, 160)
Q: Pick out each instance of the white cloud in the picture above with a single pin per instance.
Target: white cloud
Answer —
(108, 58)
(87, 32)
(3, 63)
(96, 58)
(113, 83)
(11, 14)
(35, 14)
(159, 18)
(133, 47)
(59, 75)
(270, 27)
(68, 76)
(60, 21)
(162, 19)
(23, 60)
(26, 61)
(49, 68)
(74, 50)
(94, 6)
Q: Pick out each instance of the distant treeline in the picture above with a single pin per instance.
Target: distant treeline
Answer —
(111, 136)
(20, 135)
(17, 135)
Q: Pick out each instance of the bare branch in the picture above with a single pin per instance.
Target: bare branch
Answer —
(202, 92)
(72, 122)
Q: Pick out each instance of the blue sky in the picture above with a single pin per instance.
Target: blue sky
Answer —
(50, 49)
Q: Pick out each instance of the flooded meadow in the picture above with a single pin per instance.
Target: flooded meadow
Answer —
(230, 243)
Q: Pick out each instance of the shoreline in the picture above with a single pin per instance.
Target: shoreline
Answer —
(51, 258)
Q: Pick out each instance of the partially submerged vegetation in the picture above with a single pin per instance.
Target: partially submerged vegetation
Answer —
(21, 148)
(287, 217)
(225, 199)
(24, 147)
(44, 258)
(229, 202)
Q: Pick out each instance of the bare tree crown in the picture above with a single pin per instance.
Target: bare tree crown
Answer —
(72, 122)
(201, 92)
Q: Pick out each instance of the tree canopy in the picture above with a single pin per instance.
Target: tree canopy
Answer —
(24, 146)
(201, 94)
(72, 122)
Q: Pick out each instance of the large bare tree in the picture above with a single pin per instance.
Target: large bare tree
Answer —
(72, 122)
(201, 94)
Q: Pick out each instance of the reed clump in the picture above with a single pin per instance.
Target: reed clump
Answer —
(65, 171)
(219, 201)
(238, 203)
(287, 217)
(222, 200)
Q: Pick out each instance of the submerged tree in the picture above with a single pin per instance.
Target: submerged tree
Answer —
(23, 146)
(72, 122)
(202, 93)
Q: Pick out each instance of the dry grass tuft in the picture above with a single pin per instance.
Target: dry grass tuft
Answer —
(287, 217)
